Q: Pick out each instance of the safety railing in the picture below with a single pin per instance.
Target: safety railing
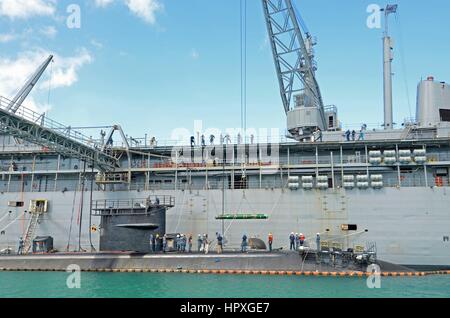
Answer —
(45, 122)
(100, 207)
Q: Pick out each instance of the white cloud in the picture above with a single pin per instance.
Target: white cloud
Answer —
(24, 9)
(7, 37)
(103, 3)
(49, 31)
(97, 44)
(144, 9)
(15, 71)
(194, 54)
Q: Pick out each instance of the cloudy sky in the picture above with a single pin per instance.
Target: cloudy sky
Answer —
(156, 65)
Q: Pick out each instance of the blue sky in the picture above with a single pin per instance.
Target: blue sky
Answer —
(154, 73)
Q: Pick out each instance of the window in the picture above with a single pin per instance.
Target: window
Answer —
(349, 227)
(330, 122)
(39, 206)
(444, 114)
(15, 204)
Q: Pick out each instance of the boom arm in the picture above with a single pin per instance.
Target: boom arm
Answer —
(294, 62)
(17, 101)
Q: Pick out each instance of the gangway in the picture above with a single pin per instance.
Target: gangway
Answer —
(38, 129)
(34, 220)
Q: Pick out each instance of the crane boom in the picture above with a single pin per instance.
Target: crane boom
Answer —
(292, 48)
(23, 93)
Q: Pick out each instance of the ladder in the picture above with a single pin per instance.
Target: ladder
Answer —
(30, 232)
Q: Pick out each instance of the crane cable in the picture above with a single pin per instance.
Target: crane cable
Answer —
(403, 62)
(243, 48)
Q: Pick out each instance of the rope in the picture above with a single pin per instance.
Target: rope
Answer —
(49, 86)
(403, 62)
(4, 217)
(243, 47)
(73, 212)
(13, 221)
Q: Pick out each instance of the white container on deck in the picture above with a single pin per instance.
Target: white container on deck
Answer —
(390, 160)
(420, 152)
(375, 153)
(404, 153)
(349, 185)
(321, 179)
(376, 177)
(420, 160)
(362, 178)
(389, 153)
(349, 178)
(405, 159)
(293, 179)
(307, 179)
(362, 185)
(377, 185)
(293, 186)
(322, 185)
(375, 161)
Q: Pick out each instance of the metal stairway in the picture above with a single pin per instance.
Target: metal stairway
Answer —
(30, 231)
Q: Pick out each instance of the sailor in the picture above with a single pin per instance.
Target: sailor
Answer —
(244, 244)
(353, 135)
(297, 241)
(164, 243)
(152, 243)
(219, 243)
(227, 139)
(318, 136)
(21, 244)
(211, 139)
(206, 243)
(347, 135)
(252, 138)
(183, 243)
(292, 241)
(190, 243)
(361, 135)
(301, 239)
(179, 243)
(239, 138)
(203, 141)
(200, 243)
(157, 201)
(153, 142)
(158, 243)
(192, 141)
(318, 241)
(270, 240)
(221, 139)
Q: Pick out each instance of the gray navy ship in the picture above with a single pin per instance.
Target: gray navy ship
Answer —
(383, 189)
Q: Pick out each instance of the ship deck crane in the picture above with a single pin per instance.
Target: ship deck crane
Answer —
(25, 124)
(23, 93)
(292, 48)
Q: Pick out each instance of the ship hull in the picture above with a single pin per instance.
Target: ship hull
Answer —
(410, 226)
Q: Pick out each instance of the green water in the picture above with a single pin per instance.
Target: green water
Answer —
(154, 285)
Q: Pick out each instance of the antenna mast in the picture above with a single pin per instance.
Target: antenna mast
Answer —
(388, 57)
